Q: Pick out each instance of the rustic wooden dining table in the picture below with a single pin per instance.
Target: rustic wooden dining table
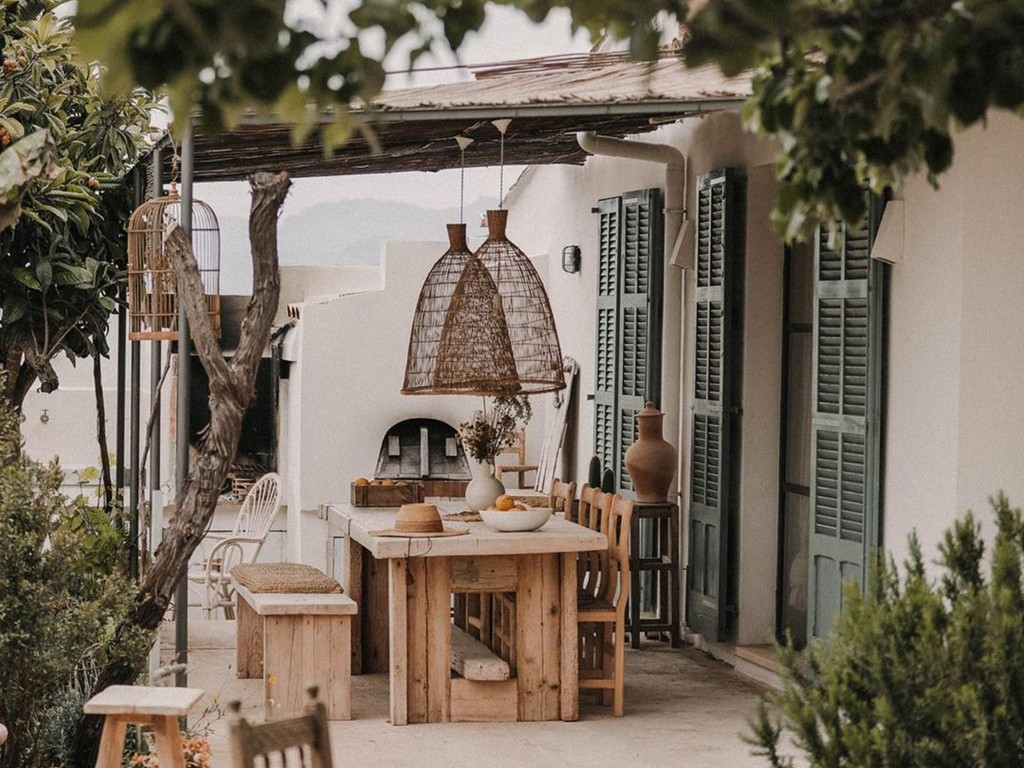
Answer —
(538, 568)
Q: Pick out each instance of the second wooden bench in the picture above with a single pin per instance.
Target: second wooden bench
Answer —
(294, 638)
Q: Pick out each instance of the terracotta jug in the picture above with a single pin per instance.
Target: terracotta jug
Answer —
(651, 460)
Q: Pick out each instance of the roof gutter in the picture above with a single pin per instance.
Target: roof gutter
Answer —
(676, 218)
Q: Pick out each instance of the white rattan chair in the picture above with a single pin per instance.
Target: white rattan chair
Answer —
(242, 545)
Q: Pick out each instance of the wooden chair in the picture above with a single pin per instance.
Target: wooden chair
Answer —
(520, 467)
(298, 741)
(602, 617)
(242, 545)
(592, 513)
(561, 497)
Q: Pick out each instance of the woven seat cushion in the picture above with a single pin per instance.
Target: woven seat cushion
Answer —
(283, 577)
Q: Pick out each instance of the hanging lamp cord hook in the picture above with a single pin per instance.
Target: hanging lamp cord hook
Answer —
(502, 126)
(463, 142)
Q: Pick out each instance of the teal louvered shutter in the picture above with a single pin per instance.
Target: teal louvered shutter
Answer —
(640, 300)
(716, 254)
(845, 442)
(606, 357)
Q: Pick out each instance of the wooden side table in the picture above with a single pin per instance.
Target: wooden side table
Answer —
(663, 563)
(157, 706)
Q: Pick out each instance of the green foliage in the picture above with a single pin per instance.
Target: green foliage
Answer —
(58, 606)
(226, 57)
(919, 673)
(861, 94)
(61, 264)
(594, 472)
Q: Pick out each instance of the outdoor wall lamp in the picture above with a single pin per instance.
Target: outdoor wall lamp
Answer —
(571, 259)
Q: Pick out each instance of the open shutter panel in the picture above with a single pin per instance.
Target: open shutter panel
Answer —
(606, 374)
(640, 289)
(709, 449)
(845, 437)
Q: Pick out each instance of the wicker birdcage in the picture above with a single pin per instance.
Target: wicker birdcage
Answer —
(152, 280)
(483, 324)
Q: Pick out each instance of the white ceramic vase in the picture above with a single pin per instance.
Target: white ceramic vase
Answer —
(484, 488)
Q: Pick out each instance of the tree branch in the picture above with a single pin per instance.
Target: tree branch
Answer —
(193, 299)
(268, 194)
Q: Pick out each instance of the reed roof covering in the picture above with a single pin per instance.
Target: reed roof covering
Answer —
(549, 101)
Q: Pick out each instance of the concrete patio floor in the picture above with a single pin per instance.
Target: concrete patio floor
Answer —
(683, 708)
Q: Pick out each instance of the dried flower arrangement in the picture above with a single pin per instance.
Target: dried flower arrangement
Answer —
(487, 433)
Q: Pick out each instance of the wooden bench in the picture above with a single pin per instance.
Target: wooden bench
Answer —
(474, 660)
(156, 706)
(306, 639)
(485, 690)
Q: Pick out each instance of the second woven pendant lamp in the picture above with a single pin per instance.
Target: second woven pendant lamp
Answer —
(527, 311)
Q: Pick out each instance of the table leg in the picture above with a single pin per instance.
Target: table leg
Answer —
(352, 584)
(569, 682)
(673, 575)
(633, 620)
(397, 614)
(428, 639)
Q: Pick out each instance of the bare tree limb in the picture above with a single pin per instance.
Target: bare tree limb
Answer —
(231, 393)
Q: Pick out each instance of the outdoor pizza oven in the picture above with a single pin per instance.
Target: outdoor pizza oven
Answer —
(426, 450)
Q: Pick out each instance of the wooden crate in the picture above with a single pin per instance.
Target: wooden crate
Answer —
(386, 495)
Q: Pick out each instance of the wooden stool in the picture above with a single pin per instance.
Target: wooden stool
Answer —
(157, 706)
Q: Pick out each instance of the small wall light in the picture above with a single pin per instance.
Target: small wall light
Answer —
(571, 259)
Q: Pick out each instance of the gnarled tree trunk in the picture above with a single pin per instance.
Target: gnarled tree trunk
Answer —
(231, 392)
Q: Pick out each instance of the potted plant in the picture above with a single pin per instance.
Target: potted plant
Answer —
(483, 437)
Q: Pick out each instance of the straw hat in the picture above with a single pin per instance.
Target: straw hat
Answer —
(418, 521)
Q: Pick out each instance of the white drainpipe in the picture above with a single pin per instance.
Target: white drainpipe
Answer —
(677, 234)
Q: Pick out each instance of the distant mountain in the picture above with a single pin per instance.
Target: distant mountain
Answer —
(340, 232)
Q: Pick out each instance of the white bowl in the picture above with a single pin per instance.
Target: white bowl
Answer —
(516, 519)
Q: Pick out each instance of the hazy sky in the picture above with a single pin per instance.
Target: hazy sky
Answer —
(507, 34)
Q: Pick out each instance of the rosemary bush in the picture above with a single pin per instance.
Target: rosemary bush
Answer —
(921, 673)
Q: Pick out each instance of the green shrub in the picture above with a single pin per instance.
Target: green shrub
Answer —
(921, 672)
(59, 604)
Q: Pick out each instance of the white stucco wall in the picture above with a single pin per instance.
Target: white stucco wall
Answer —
(69, 432)
(956, 416)
(344, 389)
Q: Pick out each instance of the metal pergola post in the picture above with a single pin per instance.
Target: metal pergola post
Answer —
(183, 415)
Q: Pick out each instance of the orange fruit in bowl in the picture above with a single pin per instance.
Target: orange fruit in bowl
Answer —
(387, 481)
(518, 507)
(360, 481)
(503, 503)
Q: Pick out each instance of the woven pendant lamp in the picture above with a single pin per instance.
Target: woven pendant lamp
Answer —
(483, 324)
(531, 326)
(152, 280)
(459, 342)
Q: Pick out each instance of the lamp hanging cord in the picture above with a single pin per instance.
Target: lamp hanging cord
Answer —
(502, 126)
(463, 142)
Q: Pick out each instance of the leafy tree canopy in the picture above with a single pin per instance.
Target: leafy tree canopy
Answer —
(61, 263)
(264, 54)
(863, 92)
(859, 92)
